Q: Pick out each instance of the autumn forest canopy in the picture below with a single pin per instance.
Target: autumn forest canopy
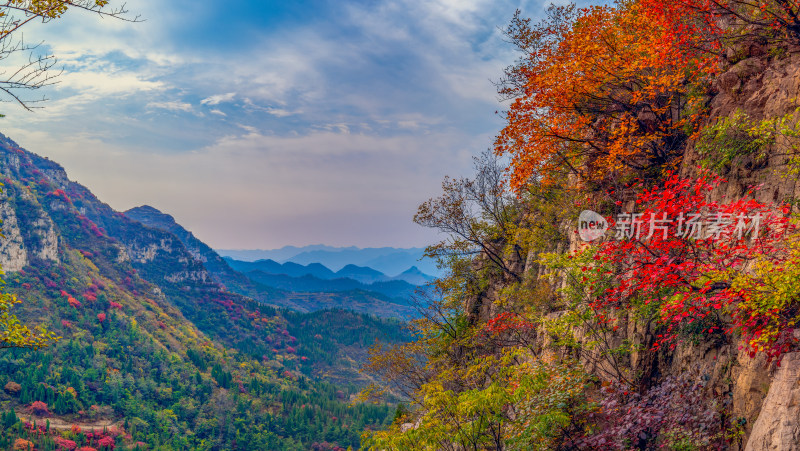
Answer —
(660, 118)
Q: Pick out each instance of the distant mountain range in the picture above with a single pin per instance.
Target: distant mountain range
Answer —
(316, 277)
(388, 260)
(301, 287)
(363, 274)
(281, 255)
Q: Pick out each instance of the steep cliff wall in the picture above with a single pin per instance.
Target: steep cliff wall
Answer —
(762, 83)
(762, 397)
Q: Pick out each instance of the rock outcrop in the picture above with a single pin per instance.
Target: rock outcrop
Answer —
(778, 425)
(13, 255)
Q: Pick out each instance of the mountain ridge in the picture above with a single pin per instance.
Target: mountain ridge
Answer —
(318, 278)
(264, 289)
(388, 260)
(147, 327)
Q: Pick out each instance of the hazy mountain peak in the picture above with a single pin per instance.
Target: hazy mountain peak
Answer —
(361, 273)
(388, 260)
(151, 214)
(356, 268)
(146, 208)
(155, 218)
(414, 276)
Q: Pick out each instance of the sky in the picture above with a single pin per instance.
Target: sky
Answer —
(259, 124)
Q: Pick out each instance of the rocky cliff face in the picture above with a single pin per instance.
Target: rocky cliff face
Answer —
(762, 83)
(200, 251)
(30, 233)
(218, 269)
(763, 397)
(13, 255)
(761, 86)
(50, 221)
(39, 204)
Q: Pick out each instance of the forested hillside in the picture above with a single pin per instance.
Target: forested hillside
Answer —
(154, 353)
(630, 280)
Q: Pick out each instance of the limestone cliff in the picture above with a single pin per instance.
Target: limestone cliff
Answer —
(763, 83)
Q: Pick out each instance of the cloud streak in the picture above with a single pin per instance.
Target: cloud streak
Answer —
(218, 98)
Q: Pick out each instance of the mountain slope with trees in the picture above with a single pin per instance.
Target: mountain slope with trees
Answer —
(305, 294)
(152, 344)
(675, 125)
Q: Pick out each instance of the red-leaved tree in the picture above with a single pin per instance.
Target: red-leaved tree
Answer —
(680, 254)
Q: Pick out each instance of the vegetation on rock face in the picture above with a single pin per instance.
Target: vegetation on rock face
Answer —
(13, 333)
(599, 92)
(536, 340)
(682, 274)
(532, 340)
(726, 142)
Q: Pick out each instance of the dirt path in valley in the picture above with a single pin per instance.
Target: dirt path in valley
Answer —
(61, 425)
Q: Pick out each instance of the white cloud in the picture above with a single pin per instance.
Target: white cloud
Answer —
(248, 128)
(172, 106)
(341, 127)
(108, 83)
(401, 89)
(464, 14)
(277, 112)
(280, 112)
(218, 98)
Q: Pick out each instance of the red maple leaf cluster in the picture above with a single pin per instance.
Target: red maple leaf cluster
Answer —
(689, 277)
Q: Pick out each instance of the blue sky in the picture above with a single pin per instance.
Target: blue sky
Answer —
(259, 124)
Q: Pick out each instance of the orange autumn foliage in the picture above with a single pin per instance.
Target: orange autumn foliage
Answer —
(22, 445)
(602, 91)
(764, 21)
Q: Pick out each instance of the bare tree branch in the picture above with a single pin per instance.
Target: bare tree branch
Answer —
(38, 71)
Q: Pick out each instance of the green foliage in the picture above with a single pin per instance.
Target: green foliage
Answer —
(771, 300)
(730, 138)
(528, 405)
(14, 334)
(174, 389)
(550, 401)
(494, 363)
(578, 327)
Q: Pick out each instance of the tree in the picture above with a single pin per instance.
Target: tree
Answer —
(601, 93)
(694, 267)
(478, 215)
(36, 72)
(765, 21)
(14, 334)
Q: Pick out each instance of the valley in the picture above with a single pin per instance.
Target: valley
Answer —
(168, 345)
